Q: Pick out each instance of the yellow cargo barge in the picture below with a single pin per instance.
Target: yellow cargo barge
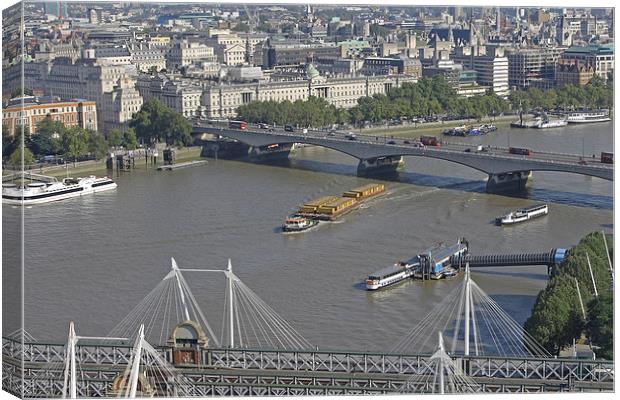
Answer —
(313, 206)
(331, 207)
(365, 191)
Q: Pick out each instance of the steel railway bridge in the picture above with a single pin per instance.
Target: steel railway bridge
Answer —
(226, 372)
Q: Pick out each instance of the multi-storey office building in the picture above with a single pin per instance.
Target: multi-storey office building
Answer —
(185, 53)
(293, 53)
(573, 72)
(80, 113)
(183, 96)
(392, 65)
(601, 56)
(529, 66)
(93, 80)
(492, 69)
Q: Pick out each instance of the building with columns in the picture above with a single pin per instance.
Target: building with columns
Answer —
(222, 100)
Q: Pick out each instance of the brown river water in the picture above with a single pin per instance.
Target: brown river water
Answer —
(91, 259)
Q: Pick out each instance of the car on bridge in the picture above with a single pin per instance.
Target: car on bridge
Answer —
(289, 128)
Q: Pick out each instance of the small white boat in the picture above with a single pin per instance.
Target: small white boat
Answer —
(45, 192)
(523, 214)
(547, 123)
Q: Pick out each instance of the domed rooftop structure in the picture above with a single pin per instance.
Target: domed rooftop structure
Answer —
(312, 72)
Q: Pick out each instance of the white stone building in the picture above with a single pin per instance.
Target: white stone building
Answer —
(185, 53)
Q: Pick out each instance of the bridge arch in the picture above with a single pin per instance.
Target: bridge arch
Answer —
(495, 166)
(335, 146)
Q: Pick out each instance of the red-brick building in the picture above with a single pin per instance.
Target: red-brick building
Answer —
(80, 113)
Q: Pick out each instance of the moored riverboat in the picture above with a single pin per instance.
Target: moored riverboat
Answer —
(587, 116)
(45, 192)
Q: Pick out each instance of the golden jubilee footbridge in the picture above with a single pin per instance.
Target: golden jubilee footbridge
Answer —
(165, 346)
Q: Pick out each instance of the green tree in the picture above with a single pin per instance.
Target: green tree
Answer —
(555, 319)
(43, 144)
(130, 142)
(16, 157)
(115, 138)
(97, 145)
(556, 316)
(178, 130)
(50, 127)
(75, 142)
(9, 143)
(519, 100)
(600, 326)
(155, 123)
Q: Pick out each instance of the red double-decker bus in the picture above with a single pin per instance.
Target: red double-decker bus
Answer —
(520, 150)
(607, 158)
(238, 125)
(430, 141)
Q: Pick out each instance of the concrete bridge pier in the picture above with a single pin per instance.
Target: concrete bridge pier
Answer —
(380, 165)
(270, 152)
(509, 182)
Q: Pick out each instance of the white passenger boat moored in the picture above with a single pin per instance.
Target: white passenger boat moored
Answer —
(45, 192)
(587, 116)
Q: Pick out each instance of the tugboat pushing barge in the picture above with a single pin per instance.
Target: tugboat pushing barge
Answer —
(297, 223)
(329, 208)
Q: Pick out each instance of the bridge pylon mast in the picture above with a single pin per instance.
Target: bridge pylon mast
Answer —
(442, 389)
(231, 320)
(467, 307)
(135, 368)
(175, 271)
(70, 370)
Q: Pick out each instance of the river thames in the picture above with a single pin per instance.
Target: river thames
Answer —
(91, 259)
